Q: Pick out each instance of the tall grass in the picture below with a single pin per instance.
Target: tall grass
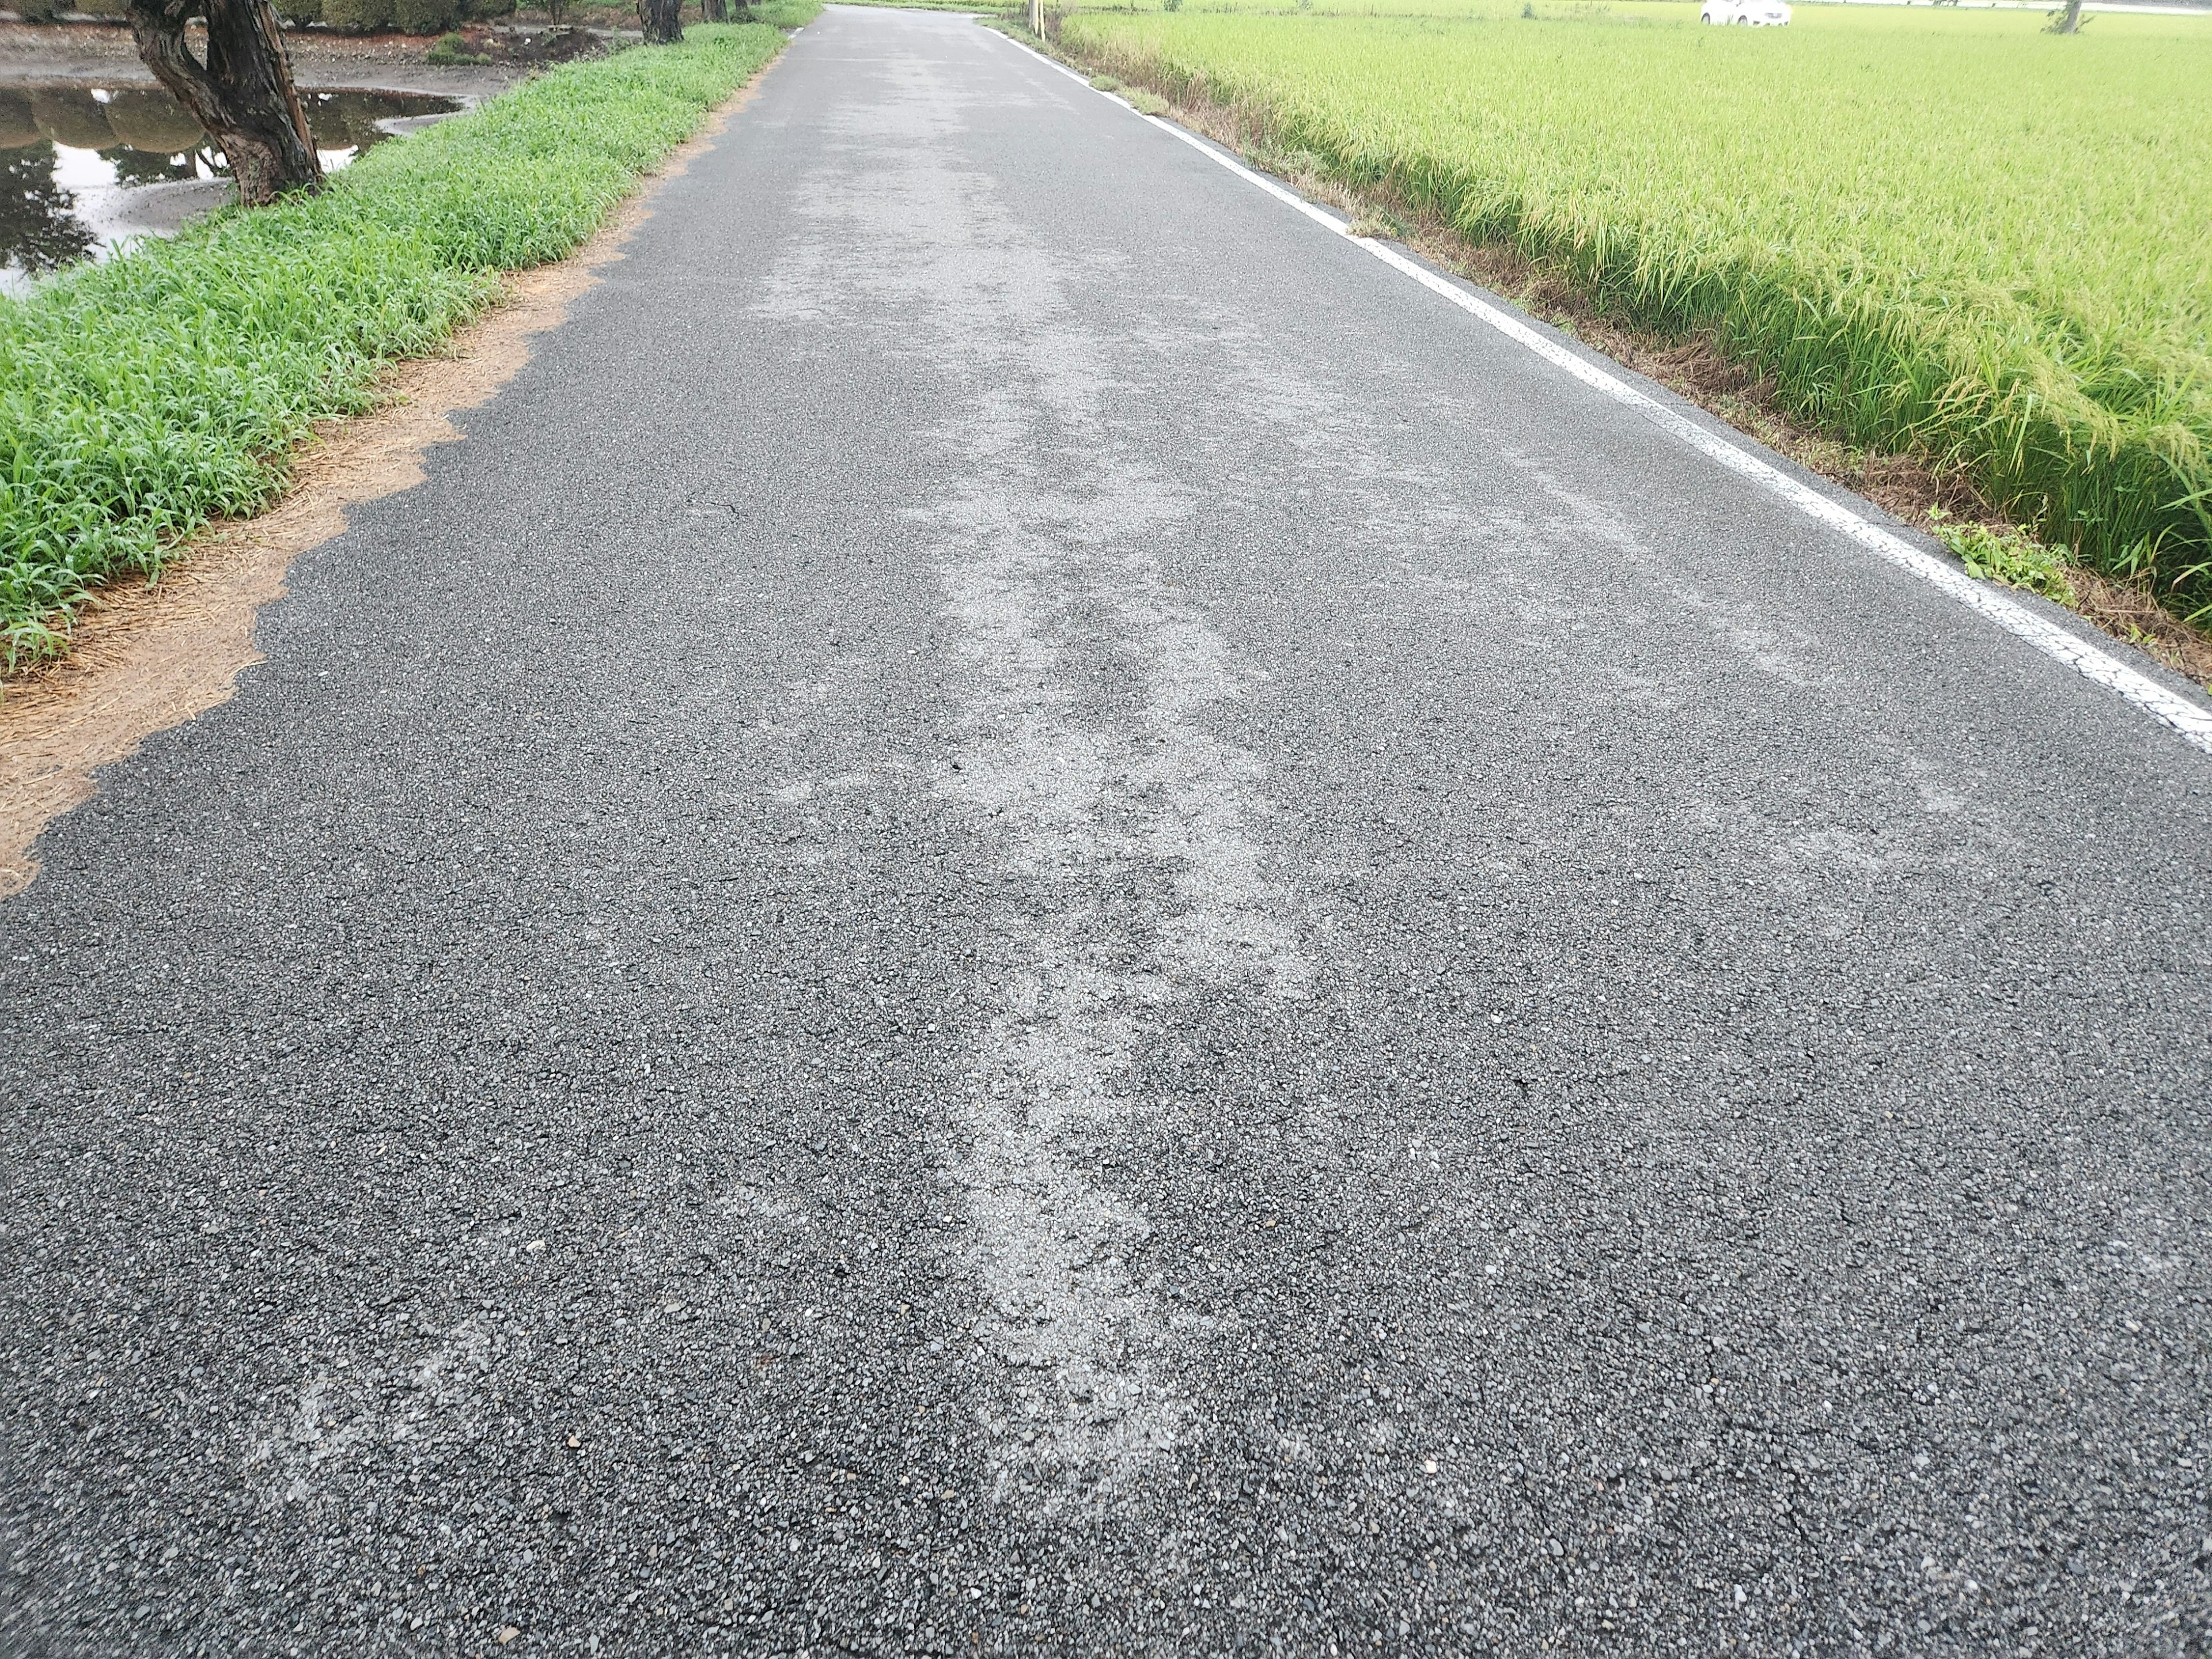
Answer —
(141, 397)
(1941, 232)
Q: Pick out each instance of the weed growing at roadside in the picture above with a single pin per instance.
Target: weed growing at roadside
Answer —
(452, 50)
(2013, 557)
(141, 398)
(1376, 225)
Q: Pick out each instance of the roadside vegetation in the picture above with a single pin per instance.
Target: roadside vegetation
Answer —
(141, 398)
(1941, 233)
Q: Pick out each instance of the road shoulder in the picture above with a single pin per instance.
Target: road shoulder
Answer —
(149, 657)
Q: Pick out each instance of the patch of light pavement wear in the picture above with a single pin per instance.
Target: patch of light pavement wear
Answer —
(1130, 822)
(1086, 810)
(314, 1428)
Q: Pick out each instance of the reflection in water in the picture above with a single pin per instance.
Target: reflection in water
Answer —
(37, 232)
(83, 167)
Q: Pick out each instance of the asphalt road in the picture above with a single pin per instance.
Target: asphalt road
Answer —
(1032, 915)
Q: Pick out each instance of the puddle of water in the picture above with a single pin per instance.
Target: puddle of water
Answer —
(84, 169)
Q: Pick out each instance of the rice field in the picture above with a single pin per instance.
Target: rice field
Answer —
(141, 398)
(1938, 230)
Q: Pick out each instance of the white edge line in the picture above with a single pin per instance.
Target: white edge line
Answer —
(2193, 723)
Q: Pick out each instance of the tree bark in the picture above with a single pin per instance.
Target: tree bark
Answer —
(243, 95)
(2069, 21)
(663, 20)
(714, 11)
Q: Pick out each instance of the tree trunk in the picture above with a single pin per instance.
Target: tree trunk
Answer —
(2070, 21)
(663, 20)
(243, 95)
(715, 11)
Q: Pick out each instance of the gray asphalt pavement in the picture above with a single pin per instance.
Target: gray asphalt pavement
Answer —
(1031, 914)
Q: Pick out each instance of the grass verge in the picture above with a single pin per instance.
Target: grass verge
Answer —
(1959, 239)
(141, 398)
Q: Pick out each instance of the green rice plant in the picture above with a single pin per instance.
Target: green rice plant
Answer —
(1938, 231)
(143, 396)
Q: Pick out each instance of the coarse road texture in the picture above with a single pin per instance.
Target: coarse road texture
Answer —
(1032, 914)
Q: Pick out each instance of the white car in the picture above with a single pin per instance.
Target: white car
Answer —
(1772, 13)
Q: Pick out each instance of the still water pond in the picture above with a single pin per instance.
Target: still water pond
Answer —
(84, 166)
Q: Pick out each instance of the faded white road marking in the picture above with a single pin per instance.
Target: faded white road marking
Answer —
(2193, 722)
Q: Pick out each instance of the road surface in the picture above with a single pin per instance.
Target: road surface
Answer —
(1033, 915)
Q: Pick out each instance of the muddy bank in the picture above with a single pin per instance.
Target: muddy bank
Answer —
(102, 53)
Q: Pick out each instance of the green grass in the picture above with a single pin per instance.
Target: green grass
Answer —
(141, 398)
(1939, 231)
